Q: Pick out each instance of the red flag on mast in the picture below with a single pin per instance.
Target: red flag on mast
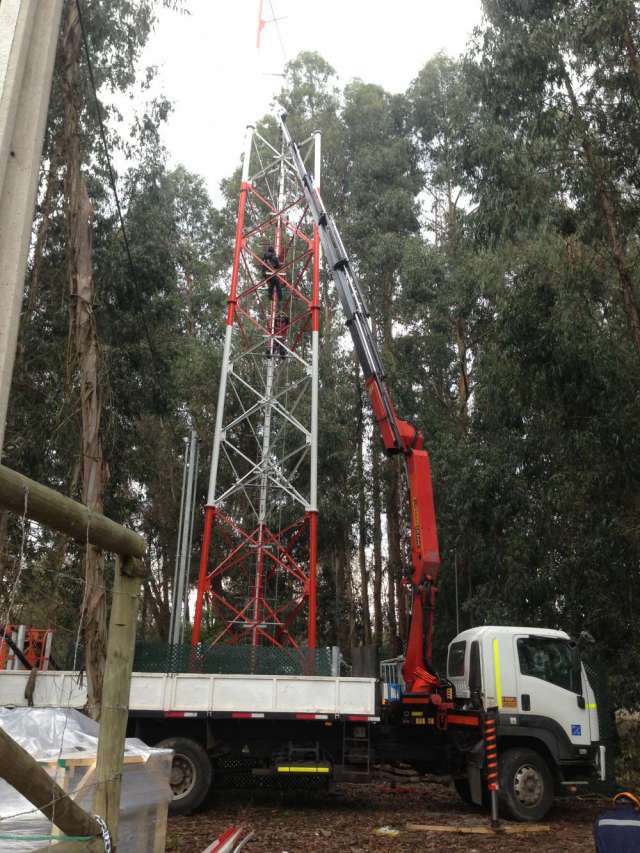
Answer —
(261, 23)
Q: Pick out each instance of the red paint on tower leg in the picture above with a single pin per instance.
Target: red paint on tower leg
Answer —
(313, 559)
(237, 250)
(209, 515)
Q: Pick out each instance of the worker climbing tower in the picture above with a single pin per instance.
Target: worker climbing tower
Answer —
(257, 578)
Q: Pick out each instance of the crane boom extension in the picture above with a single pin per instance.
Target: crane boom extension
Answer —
(398, 436)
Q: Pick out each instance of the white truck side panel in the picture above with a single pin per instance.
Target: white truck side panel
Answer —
(204, 693)
(289, 693)
(245, 694)
(62, 690)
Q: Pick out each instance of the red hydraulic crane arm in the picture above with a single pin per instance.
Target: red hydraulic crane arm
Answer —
(398, 436)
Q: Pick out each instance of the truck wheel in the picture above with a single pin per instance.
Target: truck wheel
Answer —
(191, 774)
(526, 784)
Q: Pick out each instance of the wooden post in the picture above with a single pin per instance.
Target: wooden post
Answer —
(115, 692)
(47, 507)
(28, 39)
(31, 780)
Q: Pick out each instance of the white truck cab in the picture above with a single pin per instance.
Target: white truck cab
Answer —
(548, 732)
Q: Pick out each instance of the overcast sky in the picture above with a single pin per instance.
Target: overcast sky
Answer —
(219, 82)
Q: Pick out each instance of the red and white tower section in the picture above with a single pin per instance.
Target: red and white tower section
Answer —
(257, 579)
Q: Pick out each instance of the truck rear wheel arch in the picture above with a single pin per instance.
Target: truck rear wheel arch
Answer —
(153, 729)
(191, 774)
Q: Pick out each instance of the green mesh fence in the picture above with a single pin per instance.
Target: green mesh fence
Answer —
(231, 660)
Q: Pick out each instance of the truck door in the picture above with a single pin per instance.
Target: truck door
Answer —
(549, 679)
(592, 707)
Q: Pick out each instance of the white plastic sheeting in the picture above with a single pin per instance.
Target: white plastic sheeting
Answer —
(48, 734)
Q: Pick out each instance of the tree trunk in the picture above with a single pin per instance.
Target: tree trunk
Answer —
(341, 604)
(83, 339)
(59, 552)
(394, 645)
(463, 377)
(166, 564)
(362, 549)
(403, 624)
(392, 479)
(43, 230)
(155, 601)
(348, 596)
(144, 615)
(394, 570)
(377, 543)
(189, 280)
(5, 561)
(629, 44)
(362, 518)
(607, 206)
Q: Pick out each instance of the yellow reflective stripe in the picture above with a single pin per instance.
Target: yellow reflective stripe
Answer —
(303, 769)
(496, 666)
(592, 707)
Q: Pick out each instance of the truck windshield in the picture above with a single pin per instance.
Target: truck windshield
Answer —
(550, 659)
(455, 661)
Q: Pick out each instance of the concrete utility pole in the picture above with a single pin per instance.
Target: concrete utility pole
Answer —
(28, 39)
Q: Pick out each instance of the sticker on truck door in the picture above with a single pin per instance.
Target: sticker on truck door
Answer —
(576, 730)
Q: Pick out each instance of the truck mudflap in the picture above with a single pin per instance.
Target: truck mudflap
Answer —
(475, 767)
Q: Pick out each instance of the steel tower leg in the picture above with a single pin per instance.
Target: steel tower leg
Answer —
(315, 361)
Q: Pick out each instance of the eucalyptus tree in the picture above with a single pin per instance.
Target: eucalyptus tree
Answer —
(75, 213)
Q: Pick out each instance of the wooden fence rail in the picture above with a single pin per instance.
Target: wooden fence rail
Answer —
(52, 509)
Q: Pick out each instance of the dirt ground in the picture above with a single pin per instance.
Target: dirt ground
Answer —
(344, 821)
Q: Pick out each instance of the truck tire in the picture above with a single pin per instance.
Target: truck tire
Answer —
(526, 784)
(191, 774)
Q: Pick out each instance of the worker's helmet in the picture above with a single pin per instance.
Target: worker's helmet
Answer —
(627, 796)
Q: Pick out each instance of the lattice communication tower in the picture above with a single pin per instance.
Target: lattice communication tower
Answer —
(257, 573)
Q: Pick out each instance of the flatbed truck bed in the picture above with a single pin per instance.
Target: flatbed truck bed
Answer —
(194, 695)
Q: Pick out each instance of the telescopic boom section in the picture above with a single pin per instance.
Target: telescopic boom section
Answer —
(398, 436)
